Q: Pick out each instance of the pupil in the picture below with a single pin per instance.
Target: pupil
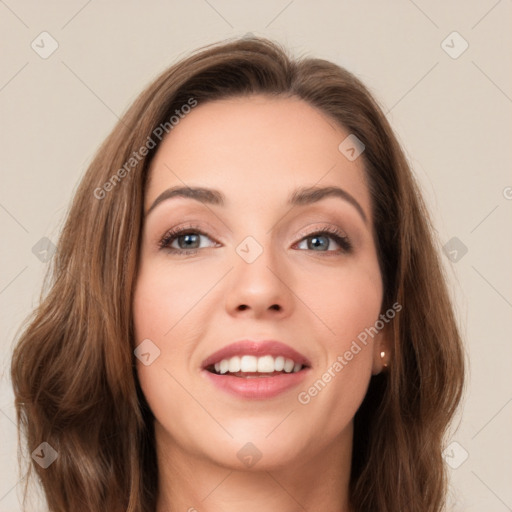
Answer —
(315, 239)
(187, 239)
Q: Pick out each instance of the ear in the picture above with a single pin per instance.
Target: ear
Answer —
(382, 349)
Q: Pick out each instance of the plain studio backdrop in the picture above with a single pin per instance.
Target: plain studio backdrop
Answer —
(441, 72)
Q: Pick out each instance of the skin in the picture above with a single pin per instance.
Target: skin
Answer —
(256, 150)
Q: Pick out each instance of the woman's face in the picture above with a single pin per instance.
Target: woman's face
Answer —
(254, 266)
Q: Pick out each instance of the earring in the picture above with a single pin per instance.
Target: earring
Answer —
(382, 355)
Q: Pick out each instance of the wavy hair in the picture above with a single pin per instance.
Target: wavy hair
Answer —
(73, 369)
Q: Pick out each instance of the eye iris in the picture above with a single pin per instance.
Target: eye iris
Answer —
(187, 238)
(315, 242)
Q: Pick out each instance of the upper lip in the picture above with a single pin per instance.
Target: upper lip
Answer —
(256, 348)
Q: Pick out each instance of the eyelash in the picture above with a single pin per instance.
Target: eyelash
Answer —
(335, 234)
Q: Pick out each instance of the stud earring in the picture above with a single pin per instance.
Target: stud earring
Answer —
(382, 355)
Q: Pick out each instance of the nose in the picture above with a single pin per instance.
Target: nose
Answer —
(259, 288)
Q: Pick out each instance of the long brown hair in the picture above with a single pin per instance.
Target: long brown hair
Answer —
(73, 368)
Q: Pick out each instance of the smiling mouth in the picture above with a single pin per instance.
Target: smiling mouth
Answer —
(250, 367)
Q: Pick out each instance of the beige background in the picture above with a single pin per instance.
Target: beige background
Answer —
(453, 116)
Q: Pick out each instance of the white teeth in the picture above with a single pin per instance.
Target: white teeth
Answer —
(249, 364)
(288, 365)
(279, 363)
(234, 364)
(263, 364)
(266, 364)
(224, 366)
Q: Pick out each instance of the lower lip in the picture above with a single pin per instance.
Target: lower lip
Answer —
(259, 387)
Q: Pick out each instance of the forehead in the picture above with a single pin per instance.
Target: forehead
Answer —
(256, 147)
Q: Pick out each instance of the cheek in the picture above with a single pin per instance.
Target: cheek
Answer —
(348, 304)
(170, 305)
(347, 301)
(163, 298)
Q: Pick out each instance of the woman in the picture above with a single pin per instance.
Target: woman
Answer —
(247, 307)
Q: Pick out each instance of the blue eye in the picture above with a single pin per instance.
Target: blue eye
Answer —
(188, 240)
(320, 241)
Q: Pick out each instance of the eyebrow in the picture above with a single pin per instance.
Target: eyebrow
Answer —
(299, 197)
